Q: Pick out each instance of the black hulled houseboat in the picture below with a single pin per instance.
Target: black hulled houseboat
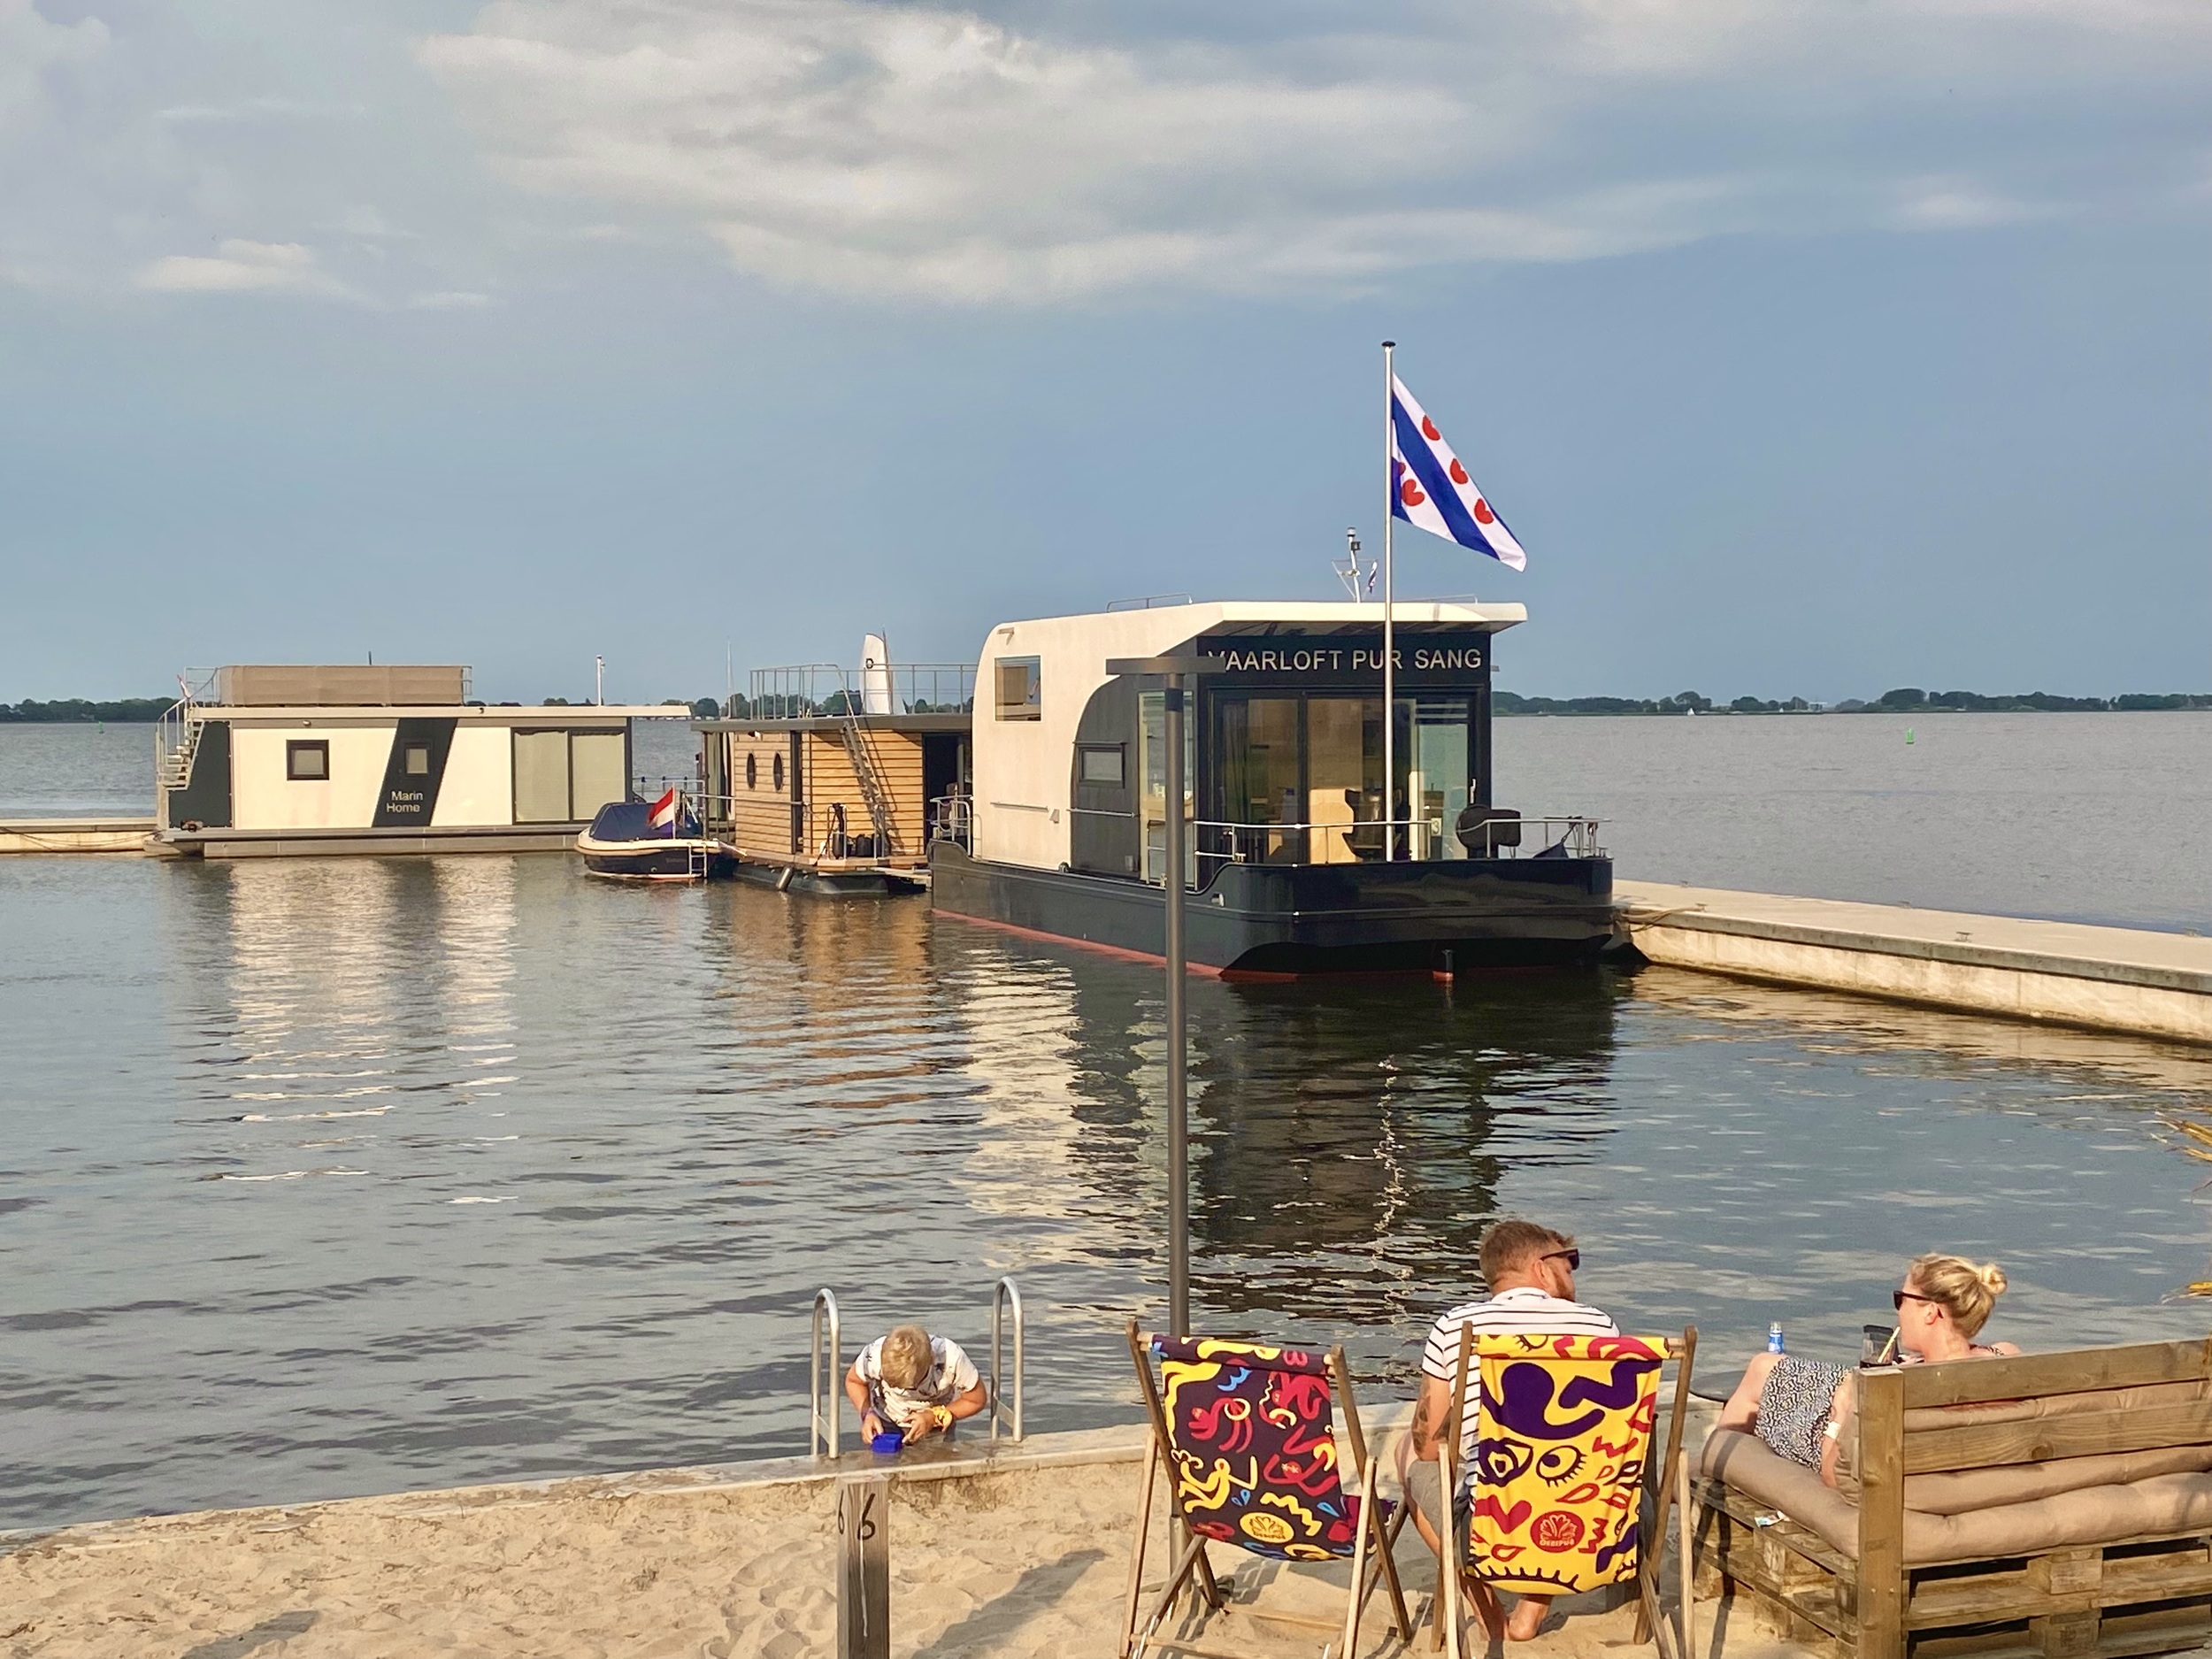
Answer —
(1293, 869)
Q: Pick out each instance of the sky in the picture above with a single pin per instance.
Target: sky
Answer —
(1810, 349)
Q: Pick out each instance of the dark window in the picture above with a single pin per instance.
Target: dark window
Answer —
(418, 760)
(1018, 688)
(778, 773)
(307, 760)
(752, 771)
(1103, 765)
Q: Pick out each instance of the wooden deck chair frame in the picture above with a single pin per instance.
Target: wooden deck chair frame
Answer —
(1668, 1478)
(1191, 1566)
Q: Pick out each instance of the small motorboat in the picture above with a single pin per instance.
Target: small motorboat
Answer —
(649, 840)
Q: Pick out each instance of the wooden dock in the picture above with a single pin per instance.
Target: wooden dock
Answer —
(2107, 978)
(74, 835)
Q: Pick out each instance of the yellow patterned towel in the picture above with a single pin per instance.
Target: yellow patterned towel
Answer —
(1564, 1430)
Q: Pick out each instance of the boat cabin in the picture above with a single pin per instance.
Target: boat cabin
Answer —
(266, 759)
(823, 778)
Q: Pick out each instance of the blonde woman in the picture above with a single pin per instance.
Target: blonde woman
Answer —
(1797, 1406)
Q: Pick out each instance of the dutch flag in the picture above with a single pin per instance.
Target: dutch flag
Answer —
(1431, 490)
(664, 815)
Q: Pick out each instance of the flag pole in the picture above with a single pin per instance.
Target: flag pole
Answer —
(1389, 636)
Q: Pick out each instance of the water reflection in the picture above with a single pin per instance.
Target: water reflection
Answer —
(458, 1169)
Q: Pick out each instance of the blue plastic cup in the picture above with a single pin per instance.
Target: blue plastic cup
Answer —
(889, 1440)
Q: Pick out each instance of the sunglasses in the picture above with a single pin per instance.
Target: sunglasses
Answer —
(1899, 1298)
(1573, 1258)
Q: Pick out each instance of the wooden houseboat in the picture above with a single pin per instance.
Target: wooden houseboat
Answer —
(822, 780)
(268, 760)
(1292, 866)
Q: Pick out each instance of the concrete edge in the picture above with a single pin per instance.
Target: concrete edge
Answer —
(1999, 956)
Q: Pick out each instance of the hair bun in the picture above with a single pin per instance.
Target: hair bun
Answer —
(1993, 1277)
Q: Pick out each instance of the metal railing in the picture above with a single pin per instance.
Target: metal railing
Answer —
(1420, 840)
(825, 1412)
(952, 818)
(1004, 1295)
(1149, 602)
(810, 690)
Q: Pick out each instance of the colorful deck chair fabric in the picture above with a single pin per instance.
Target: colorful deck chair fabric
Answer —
(1255, 1454)
(1563, 1432)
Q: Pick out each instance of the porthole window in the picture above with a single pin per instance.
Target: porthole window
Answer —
(778, 773)
(752, 771)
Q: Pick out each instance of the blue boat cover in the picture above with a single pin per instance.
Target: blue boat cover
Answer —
(632, 821)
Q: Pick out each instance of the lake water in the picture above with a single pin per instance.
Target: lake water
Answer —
(334, 1176)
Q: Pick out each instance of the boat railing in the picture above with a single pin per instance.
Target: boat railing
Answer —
(176, 734)
(952, 818)
(1420, 840)
(801, 691)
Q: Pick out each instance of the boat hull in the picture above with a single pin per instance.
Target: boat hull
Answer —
(1298, 919)
(833, 884)
(659, 860)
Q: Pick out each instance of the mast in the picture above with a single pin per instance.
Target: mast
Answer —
(1389, 637)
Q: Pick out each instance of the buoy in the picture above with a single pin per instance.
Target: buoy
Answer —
(1909, 734)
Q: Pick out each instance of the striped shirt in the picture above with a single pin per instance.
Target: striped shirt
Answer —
(1524, 1310)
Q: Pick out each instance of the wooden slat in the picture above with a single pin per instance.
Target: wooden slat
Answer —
(2039, 1440)
(1881, 1516)
(1968, 1382)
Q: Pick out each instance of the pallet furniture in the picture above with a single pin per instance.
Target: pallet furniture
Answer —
(2040, 1507)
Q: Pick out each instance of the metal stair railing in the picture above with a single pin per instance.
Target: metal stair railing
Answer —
(825, 1411)
(1004, 1296)
(860, 749)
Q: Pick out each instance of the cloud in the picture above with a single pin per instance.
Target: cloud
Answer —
(33, 51)
(244, 267)
(923, 151)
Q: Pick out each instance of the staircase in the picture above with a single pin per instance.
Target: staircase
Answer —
(860, 749)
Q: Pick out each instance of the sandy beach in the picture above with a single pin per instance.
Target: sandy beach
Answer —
(1019, 1555)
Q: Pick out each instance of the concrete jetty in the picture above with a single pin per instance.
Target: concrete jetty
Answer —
(2107, 978)
(74, 835)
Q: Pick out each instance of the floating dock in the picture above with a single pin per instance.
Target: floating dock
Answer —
(2107, 979)
(74, 835)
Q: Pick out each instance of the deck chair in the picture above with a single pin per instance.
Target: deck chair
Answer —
(1244, 1434)
(1562, 1461)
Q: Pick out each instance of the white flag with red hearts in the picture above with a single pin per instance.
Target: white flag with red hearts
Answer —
(1429, 489)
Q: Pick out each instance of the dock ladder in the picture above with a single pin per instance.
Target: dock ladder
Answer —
(826, 1366)
(860, 749)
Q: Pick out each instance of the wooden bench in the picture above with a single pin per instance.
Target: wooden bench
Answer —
(2040, 1507)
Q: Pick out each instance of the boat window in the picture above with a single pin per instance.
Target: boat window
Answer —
(1103, 765)
(776, 775)
(1019, 688)
(752, 770)
(418, 760)
(1344, 781)
(307, 760)
(1256, 742)
(1152, 766)
(541, 777)
(1434, 766)
(598, 772)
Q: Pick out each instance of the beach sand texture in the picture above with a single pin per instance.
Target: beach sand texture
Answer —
(1022, 1561)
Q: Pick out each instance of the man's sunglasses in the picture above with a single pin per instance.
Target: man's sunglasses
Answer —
(1899, 1298)
(1573, 1258)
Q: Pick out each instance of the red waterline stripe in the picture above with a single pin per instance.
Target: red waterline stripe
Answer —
(1117, 951)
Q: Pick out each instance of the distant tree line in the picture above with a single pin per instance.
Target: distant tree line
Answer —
(1904, 699)
(77, 710)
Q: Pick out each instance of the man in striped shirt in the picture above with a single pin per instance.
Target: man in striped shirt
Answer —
(1531, 1272)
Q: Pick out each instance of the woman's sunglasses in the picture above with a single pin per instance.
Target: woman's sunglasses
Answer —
(1573, 1258)
(1899, 1298)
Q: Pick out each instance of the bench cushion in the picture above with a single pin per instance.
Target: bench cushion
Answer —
(2054, 1518)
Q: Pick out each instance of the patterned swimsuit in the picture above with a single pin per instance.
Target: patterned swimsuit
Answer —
(1794, 1405)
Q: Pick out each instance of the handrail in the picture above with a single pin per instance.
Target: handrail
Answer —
(821, 1434)
(1004, 1294)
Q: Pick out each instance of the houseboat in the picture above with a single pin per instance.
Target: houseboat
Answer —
(822, 779)
(263, 760)
(1291, 866)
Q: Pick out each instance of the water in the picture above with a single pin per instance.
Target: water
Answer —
(334, 1176)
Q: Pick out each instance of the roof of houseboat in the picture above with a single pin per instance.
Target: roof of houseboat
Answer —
(1293, 616)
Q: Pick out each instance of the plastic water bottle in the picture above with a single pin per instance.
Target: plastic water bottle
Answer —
(1774, 1338)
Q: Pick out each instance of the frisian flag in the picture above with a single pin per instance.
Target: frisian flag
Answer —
(665, 811)
(1431, 490)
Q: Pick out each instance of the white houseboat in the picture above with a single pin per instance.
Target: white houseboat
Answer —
(267, 760)
(1292, 868)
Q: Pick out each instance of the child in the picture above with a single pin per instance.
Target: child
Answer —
(913, 1381)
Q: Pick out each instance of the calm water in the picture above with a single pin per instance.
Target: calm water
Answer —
(333, 1176)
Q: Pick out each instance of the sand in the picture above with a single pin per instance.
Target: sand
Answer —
(1028, 1559)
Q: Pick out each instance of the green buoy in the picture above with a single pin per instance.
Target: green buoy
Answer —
(1909, 734)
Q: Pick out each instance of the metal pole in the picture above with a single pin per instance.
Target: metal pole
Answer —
(1390, 638)
(1178, 1175)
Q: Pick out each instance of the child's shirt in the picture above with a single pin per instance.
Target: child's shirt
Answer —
(951, 1374)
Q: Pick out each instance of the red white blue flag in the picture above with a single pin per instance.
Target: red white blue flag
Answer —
(665, 810)
(1431, 490)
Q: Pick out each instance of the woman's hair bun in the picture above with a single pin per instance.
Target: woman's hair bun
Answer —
(1993, 1277)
